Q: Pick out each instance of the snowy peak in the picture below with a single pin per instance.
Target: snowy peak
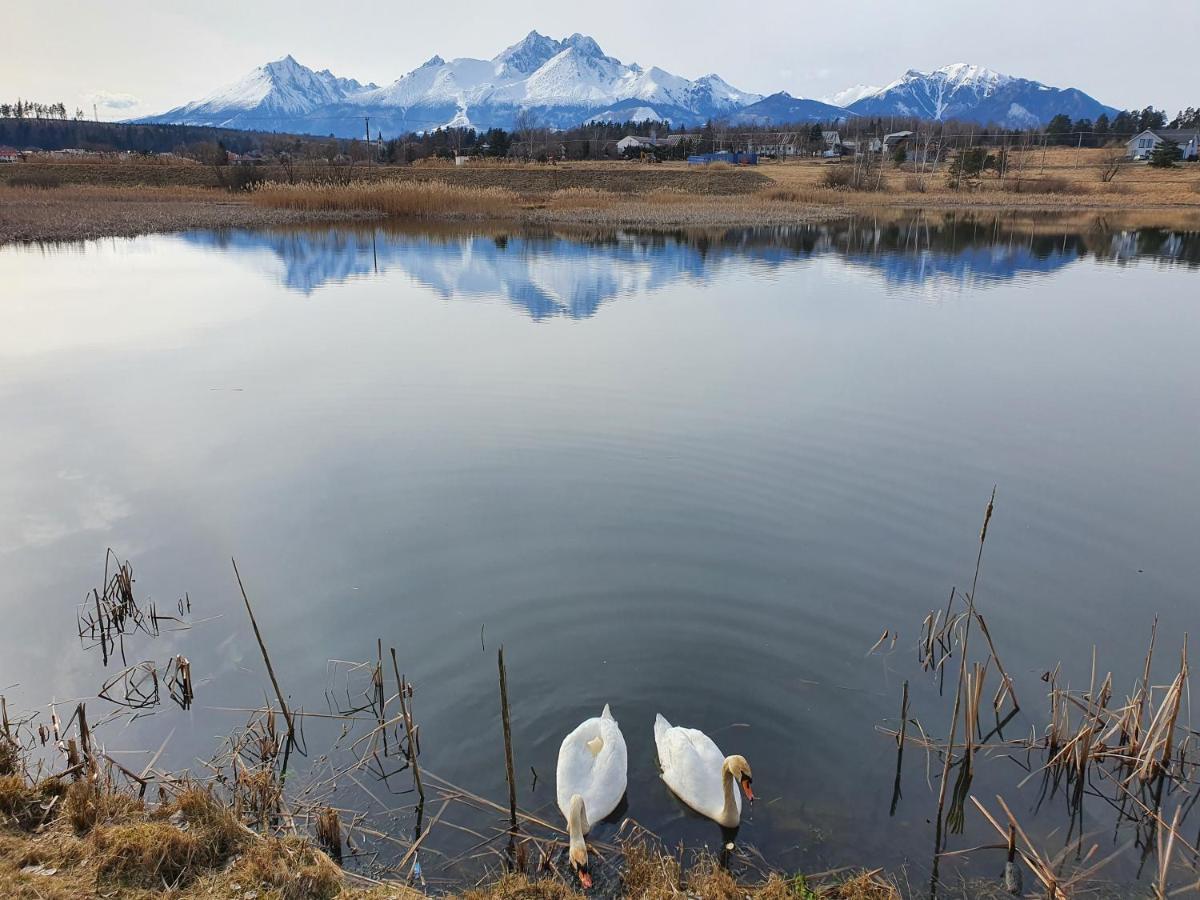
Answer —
(974, 93)
(527, 55)
(570, 81)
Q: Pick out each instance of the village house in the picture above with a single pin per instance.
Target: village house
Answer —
(775, 145)
(832, 143)
(638, 142)
(9, 155)
(1140, 146)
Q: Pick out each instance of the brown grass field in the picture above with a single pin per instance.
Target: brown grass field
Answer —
(89, 199)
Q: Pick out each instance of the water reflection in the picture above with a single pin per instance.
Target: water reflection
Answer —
(548, 274)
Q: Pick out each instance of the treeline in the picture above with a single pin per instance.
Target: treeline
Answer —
(29, 109)
(116, 137)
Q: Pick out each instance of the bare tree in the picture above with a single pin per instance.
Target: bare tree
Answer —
(525, 126)
(1111, 165)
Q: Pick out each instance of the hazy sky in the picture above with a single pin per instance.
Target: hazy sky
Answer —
(133, 57)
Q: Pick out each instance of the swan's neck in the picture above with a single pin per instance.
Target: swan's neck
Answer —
(576, 826)
(730, 814)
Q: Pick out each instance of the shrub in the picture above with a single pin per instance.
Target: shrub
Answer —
(783, 195)
(10, 756)
(35, 180)
(916, 184)
(1046, 184)
(843, 177)
(88, 804)
(291, 868)
(1165, 155)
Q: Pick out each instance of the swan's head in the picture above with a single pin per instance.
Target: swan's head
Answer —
(576, 826)
(737, 767)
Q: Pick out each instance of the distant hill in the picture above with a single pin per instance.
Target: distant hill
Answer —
(784, 108)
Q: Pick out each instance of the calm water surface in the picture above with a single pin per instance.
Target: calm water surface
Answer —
(697, 475)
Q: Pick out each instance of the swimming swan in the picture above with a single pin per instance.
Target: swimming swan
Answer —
(694, 769)
(591, 776)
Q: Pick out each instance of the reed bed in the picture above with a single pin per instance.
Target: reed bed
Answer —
(402, 199)
(1136, 757)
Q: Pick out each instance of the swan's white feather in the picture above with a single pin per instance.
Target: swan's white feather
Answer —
(693, 768)
(599, 777)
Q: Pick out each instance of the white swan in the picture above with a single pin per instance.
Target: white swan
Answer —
(694, 769)
(591, 776)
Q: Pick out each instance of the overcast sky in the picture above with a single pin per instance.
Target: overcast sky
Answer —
(133, 57)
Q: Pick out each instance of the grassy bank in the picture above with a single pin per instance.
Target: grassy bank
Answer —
(87, 212)
(58, 200)
(76, 836)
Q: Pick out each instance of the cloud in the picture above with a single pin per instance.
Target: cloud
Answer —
(114, 100)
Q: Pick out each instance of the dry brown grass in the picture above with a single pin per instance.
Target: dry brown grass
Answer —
(406, 199)
(1068, 179)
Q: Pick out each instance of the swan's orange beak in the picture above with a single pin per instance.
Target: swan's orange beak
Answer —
(746, 789)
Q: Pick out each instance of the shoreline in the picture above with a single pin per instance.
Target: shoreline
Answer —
(87, 201)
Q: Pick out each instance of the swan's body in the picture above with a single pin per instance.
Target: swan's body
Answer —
(591, 779)
(699, 774)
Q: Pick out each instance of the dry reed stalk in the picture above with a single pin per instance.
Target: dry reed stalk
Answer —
(329, 833)
(287, 714)
(510, 769)
(410, 747)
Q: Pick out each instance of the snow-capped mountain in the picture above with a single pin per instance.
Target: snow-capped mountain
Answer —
(973, 93)
(561, 83)
(278, 92)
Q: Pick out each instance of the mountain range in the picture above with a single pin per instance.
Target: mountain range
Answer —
(564, 83)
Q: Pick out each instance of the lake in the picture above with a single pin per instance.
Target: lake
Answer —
(696, 474)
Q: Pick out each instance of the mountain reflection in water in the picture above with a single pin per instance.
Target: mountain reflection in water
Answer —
(549, 273)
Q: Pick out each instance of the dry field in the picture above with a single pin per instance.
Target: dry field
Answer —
(1062, 179)
(87, 212)
(88, 199)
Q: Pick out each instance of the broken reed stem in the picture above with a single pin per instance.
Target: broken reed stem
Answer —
(508, 753)
(938, 838)
(287, 713)
(900, 746)
(411, 750)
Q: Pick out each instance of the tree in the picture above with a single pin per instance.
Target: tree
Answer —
(1187, 118)
(1165, 155)
(1151, 118)
(1058, 128)
(899, 156)
(1125, 125)
(525, 128)
(1102, 127)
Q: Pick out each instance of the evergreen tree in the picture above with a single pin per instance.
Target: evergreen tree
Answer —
(1058, 128)
(1165, 155)
(1102, 128)
(1151, 118)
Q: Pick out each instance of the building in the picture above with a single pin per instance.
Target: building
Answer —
(9, 155)
(831, 142)
(776, 145)
(896, 139)
(1140, 146)
(638, 142)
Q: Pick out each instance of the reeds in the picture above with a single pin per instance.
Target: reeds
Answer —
(402, 199)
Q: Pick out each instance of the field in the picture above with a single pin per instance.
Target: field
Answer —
(69, 200)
